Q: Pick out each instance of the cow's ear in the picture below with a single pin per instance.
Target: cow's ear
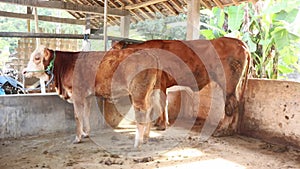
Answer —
(47, 54)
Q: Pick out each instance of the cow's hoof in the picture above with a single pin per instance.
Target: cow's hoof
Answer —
(77, 141)
(224, 132)
(161, 128)
(84, 135)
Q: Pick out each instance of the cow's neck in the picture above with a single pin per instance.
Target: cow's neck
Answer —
(62, 68)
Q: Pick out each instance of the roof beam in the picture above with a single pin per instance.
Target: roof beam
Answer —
(143, 4)
(61, 36)
(42, 18)
(235, 2)
(170, 8)
(67, 6)
(218, 3)
(206, 4)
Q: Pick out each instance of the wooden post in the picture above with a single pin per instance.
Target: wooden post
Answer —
(105, 26)
(42, 82)
(125, 25)
(36, 26)
(29, 11)
(86, 45)
(193, 20)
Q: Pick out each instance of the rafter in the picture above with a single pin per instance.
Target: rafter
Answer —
(236, 2)
(42, 18)
(67, 6)
(143, 4)
(218, 3)
(170, 8)
(177, 5)
(206, 4)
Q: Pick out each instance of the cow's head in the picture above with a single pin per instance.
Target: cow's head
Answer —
(38, 62)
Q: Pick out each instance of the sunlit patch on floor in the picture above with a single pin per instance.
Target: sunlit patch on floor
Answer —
(212, 163)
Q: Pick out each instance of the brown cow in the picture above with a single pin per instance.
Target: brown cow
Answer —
(232, 53)
(142, 73)
(78, 75)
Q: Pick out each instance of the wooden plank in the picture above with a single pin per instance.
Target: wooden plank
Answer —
(206, 4)
(143, 4)
(142, 11)
(253, 1)
(42, 18)
(61, 36)
(236, 2)
(177, 5)
(67, 6)
(218, 3)
(170, 8)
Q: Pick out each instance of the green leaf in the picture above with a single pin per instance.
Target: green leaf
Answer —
(283, 37)
(208, 34)
(286, 16)
(284, 69)
(247, 38)
(235, 17)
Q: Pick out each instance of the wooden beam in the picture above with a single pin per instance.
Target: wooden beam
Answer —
(141, 11)
(177, 5)
(42, 18)
(193, 20)
(143, 4)
(253, 1)
(61, 36)
(206, 4)
(218, 3)
(67, 6)
(125, 26)
(236, 2)
(170, 8)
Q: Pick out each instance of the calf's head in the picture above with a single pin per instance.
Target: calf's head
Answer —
(38, 62)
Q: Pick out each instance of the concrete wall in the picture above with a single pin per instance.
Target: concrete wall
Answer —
(23, 115)
(272, 111)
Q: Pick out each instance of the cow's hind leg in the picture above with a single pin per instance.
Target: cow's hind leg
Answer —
(231, 105)
(140, 118)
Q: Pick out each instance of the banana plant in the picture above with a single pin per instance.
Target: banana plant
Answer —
(267, 28)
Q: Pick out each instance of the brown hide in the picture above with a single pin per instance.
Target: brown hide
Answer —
(222, 60)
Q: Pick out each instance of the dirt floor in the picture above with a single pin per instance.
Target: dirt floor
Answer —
(172, 149)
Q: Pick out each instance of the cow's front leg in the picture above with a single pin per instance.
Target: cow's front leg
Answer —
(86, 117)
(78, 111)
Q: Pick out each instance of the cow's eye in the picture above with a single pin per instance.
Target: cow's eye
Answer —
(37, 58)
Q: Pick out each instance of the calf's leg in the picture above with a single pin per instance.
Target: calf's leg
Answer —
(78, 112)
(86, 117)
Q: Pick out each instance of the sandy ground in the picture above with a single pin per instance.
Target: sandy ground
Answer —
(172, 149)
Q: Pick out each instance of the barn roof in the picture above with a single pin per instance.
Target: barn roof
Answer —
(139, 10)
(146, 9)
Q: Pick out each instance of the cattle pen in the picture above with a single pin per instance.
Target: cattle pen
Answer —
(37, 129)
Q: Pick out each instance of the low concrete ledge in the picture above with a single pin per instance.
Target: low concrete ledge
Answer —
(272, 111)
(23, 115)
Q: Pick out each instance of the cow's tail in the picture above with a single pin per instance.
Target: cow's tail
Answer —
(245, 78)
